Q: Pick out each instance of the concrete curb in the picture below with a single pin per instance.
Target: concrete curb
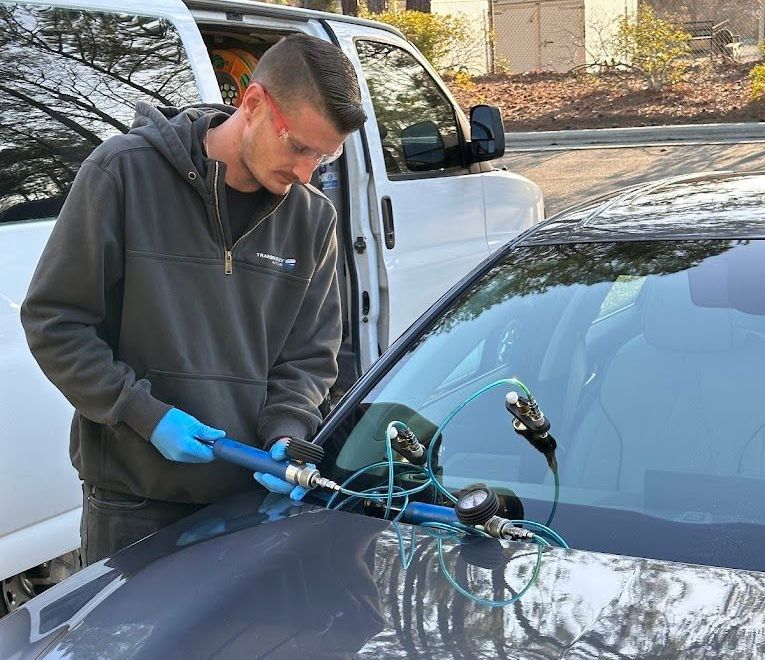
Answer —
(642, 136)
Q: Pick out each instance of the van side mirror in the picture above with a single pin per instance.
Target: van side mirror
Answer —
(423, 147)
(487, 133)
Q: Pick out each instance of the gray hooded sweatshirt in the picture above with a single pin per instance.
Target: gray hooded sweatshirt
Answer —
(141, 303)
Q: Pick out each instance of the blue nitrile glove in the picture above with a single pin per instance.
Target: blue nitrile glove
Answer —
(274, 484)
(176, 438)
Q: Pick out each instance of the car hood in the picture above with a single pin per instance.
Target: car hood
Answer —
(260, 577)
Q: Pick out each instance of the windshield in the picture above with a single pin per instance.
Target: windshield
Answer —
(646, 357)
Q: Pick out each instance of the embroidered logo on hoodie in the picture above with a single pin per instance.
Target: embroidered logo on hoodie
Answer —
(287, 265)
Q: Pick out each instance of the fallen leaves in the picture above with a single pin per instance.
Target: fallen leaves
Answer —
(711, 93)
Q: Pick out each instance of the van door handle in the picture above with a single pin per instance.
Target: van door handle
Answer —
(387, 214)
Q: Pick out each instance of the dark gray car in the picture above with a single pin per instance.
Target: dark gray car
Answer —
(238, 580)
(638, 323)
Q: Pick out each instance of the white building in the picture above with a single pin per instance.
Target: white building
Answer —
(555, 35)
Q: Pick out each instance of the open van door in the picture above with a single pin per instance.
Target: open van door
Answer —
(70, 76)
(427, 202)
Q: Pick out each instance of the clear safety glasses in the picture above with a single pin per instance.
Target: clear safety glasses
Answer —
(283, 132)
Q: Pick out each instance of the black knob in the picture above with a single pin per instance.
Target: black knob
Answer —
(304, 451)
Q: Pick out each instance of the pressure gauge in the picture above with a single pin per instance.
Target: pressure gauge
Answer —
(476, 505)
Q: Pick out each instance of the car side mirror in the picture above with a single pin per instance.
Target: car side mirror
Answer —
(423, 147)
(487, 133)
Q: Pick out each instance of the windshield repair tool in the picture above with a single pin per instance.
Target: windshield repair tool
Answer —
(391, 500)
(530, 422)
(474, 511)
(476, 508)
(295, 471)
(405, 442)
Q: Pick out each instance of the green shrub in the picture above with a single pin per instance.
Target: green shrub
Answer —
(652, 46)
(443, 39)
(757, 80)
(463, 80)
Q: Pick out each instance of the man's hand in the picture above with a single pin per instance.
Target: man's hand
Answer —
(176, 438)
(274, 484)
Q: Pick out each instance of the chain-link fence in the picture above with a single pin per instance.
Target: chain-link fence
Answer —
(518, 36)
(561, 35)
(721, 22)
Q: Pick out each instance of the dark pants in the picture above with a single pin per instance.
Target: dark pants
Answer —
(112, 520)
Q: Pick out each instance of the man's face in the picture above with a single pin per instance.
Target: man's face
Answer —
(281, 146)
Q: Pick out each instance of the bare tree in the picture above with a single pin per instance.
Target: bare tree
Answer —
(418, 5)
(350, 7)
(320, 5)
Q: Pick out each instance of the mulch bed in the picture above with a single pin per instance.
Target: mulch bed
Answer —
(711, 93)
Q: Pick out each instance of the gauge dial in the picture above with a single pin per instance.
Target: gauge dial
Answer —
(477, 505)
(473, 499)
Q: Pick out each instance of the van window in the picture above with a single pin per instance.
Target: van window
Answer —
(69, 79)
(418, 127)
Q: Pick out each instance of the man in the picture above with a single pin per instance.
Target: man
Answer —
(188, 291)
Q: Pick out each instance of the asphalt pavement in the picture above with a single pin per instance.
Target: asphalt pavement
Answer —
(573, 176)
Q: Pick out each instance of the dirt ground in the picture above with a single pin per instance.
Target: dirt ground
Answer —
(712, 92)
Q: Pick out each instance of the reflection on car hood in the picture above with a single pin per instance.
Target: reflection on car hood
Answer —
(261, 577)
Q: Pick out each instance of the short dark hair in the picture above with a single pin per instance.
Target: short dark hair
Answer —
(301, 68)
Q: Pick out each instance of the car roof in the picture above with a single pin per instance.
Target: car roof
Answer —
(698, 206)
(287, 12)
(233, 7)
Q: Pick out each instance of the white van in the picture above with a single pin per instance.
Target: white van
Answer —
(418, 203)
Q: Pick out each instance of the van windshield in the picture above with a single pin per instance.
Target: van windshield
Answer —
(647, 359)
